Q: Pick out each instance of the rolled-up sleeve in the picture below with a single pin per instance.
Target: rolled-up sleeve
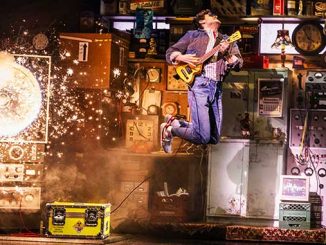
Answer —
(178, 48)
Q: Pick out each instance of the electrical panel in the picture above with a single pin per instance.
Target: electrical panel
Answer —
(307, 155)
(307, 128)
(22, 198)
(315, 88)
(31, 173)
(16, 152)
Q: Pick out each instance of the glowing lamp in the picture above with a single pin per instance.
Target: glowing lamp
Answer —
(282, 40)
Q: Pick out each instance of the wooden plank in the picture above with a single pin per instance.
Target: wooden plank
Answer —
(25, 240)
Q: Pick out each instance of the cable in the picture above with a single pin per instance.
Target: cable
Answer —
(29, 232)
(128, 195)
(304, 133)
(315, 170)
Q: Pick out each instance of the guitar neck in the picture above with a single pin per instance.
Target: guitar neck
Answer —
(210, 53)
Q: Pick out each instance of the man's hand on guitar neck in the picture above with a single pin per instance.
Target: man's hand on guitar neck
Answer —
(190, 59)
(223, 46)
(230, 59)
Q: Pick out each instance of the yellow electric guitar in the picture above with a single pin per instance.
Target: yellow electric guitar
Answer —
(188, 73)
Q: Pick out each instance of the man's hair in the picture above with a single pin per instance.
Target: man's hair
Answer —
(201, 16)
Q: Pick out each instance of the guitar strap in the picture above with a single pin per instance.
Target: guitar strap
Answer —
(217, 41)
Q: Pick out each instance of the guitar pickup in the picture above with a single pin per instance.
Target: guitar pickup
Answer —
(188, 69)
(185, 74)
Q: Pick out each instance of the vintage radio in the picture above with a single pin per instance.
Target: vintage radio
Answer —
(16, 152)
(20, 198)
(83, 220)
(97, 60)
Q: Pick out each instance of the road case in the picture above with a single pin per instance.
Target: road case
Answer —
(81, 220)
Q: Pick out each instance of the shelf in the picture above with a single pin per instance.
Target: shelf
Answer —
(225, 20)
(146, 60)
(290, 19)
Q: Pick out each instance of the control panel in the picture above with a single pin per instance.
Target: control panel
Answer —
(25, 198)
(307, 128)
(315, 88)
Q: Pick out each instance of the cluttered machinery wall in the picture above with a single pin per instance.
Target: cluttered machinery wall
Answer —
(89, 172)
(24, 134)
(306, 154)
(115, 154)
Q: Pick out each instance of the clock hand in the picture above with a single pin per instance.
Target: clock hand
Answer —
(308, 36)
(139, 131)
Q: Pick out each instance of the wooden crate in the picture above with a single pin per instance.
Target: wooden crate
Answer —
(97, 60)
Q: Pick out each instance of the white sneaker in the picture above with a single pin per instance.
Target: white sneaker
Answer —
(176, 123)
(171, 120)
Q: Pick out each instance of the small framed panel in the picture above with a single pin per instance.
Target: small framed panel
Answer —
(294, 188)
(270, 97)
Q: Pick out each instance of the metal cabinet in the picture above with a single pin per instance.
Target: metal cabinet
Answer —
(227, 178)
(244, 169)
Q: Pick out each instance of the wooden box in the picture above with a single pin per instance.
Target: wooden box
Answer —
(97, 60)
(170, 208)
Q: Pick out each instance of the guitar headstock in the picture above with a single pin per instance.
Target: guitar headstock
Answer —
(234, 37)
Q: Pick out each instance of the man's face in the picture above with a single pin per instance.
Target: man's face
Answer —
(211, 22)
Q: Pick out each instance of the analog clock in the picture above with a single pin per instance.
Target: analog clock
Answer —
(308, 38)
(174, 84)
(139, 131)
(154, 75)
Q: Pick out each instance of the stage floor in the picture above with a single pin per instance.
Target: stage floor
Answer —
(185, 233)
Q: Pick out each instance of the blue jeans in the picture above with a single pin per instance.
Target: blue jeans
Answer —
(205, 102)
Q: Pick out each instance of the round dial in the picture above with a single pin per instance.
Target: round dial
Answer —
(154, 75)
(20, 98)
(169, 108)
(40, 41)
(308, 38)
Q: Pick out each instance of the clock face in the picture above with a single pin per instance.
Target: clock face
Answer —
(154, 75)
(173, 83)
(138, 131)
(308, 38)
